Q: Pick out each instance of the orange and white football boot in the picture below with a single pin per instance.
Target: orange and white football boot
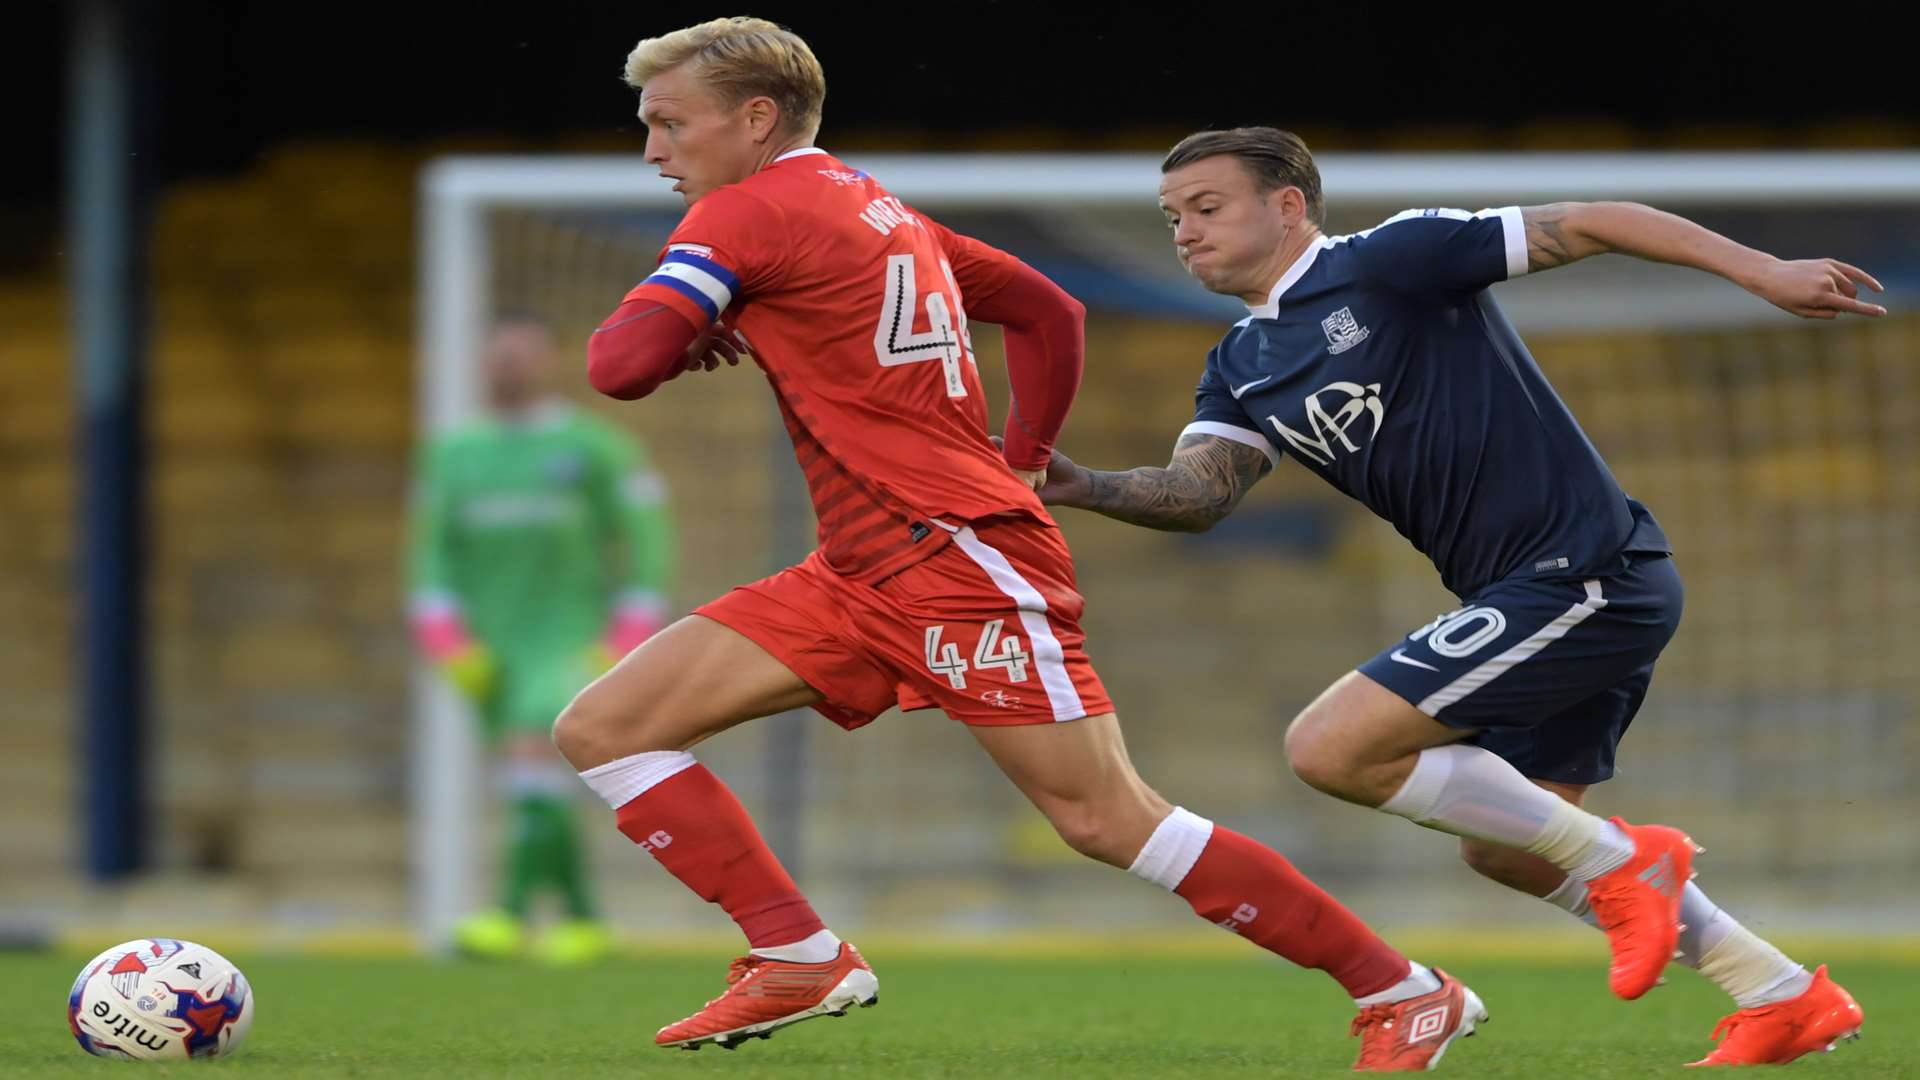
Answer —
(1410, 1035)
(765, 995)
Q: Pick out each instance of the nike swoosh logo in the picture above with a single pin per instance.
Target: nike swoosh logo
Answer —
(1238, 390)
(1400, 656)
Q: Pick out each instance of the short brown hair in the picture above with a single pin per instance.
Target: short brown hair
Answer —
(740, 58)
(1275, 158)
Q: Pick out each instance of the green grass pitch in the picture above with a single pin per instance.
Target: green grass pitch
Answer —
(951, 1012)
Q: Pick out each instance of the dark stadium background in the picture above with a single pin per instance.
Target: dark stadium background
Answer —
(221, 81)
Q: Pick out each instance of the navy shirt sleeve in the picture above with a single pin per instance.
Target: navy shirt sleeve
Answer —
(1217, 413)
(1437, 252)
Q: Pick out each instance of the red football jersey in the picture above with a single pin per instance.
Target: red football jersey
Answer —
(852, 303)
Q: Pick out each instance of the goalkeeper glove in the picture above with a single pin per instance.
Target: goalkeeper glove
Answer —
(465, 662)
(472, 671)
(639, 616)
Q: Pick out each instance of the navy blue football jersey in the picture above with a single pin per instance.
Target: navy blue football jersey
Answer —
(1381, 362)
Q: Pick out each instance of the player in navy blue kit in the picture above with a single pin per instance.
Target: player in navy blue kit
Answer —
(1381, 363)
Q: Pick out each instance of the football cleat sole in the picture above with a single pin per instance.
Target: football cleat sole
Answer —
(1845, 1036)
(858, 988)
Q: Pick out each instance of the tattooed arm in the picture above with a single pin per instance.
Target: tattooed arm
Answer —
(1560, 233)
(1201, 485)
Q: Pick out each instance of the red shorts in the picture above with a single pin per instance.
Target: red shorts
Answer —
(987, 628)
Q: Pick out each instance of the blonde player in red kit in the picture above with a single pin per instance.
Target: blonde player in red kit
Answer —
(940, 581)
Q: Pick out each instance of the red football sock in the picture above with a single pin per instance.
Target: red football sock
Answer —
(696, 828)
(1250, 889)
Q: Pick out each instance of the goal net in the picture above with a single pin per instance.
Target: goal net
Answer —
(1779, 455)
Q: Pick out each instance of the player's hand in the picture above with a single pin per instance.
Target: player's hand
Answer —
(1815, 288)
(1061, 483)
(712, 349)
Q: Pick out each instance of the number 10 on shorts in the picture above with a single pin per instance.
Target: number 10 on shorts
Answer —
(994, 650)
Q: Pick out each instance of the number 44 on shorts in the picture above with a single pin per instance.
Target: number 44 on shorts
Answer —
(994, 650)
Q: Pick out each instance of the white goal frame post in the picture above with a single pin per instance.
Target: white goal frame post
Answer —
(457, 194)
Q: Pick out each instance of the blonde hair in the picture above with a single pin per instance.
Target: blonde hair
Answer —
(738, 58)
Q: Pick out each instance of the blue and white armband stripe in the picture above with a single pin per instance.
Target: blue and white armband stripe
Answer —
(696, 277)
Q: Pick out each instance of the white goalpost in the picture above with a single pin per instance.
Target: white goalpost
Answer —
(1101, 208)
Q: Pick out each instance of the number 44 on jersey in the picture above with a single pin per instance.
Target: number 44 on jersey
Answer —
(994, 650)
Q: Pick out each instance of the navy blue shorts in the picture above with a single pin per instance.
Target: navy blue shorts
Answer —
(1548, 672)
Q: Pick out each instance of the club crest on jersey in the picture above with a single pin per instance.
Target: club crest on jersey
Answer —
(842, 177)
(1343, 331)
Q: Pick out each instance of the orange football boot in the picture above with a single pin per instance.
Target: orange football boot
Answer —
(1404, 1036)
(1778, 1033)
(1638, 905)
(763, 995)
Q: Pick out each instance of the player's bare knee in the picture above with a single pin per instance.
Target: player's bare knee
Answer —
(596, 728)
(1314, 758)
(1089, 832)
(1079, 829)
(574, 736)
(1109, 829)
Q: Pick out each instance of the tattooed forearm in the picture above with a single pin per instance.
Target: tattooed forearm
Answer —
(1201, 485)
(1548, 244)
(1173, 498)
(1563, 233)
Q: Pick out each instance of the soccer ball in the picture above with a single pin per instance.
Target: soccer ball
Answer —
(160, 999)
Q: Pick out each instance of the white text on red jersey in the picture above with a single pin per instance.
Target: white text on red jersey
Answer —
(886, 214)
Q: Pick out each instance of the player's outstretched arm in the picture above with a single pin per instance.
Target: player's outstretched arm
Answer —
(1202, 484)
(1560, 233)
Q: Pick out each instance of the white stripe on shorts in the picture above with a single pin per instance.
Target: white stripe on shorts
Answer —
(1494, 668)
(1048, 656)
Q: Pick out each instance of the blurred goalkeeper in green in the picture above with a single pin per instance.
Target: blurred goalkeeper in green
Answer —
(541, 546)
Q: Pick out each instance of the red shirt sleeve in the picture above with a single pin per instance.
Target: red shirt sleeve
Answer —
(1045, 335)
(641, 345)
(979, 269)
(726, 248)
(730, 245)
(1046, 353)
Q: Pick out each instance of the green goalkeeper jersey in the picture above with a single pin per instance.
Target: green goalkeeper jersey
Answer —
(536, 530)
